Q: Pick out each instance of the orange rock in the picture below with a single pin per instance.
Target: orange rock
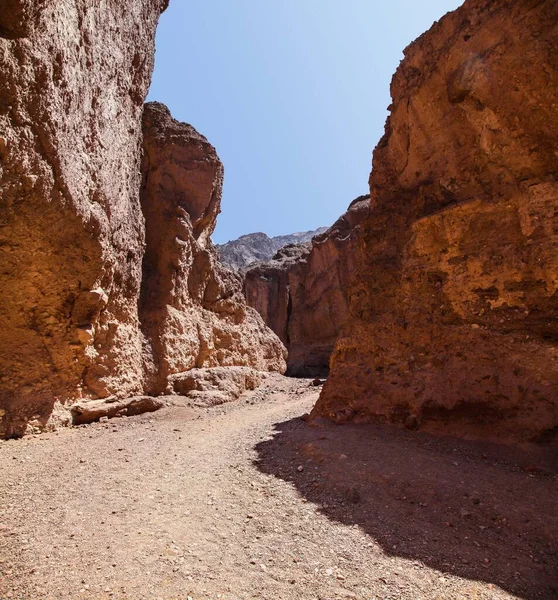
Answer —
(192, 310)
(70, 133)
(454, 306)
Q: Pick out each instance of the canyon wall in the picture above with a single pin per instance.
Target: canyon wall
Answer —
(192, 309)
(454, 312)
(73, 79)
(301, 293)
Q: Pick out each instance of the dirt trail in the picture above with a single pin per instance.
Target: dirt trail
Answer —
(248, 501)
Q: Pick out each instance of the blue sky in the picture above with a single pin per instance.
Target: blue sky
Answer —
(293, 95)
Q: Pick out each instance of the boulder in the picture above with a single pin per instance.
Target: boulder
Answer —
(216, 385)
(92, 410)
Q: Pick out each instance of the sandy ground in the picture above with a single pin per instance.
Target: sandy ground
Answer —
(249, 501)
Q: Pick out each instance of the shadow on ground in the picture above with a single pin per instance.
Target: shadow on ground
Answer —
(481, 511)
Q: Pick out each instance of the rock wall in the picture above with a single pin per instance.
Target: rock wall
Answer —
(454, 312)
(192, 309)
(301, 293)
(73, 79)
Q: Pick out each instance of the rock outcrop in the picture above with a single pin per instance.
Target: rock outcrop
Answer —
(454, 312)
(216, 385)
(255, 247)
(73, 79)
(301, 293)
(192, 309)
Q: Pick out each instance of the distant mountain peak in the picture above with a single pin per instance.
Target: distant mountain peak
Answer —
(254, 247)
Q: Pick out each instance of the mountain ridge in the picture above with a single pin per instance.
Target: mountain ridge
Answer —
(258, 246)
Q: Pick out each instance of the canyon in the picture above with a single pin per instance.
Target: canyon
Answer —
(301, 293)
(165, 431)
(454, 312)
(115, 288)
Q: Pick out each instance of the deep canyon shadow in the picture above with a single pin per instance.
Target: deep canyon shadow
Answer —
(481, 511)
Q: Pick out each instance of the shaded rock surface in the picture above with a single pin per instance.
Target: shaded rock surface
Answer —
(253, 247)
(301, 293)
(454, 306)
(192, 310)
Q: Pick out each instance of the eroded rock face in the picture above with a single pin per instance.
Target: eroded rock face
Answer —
(454, 312)
(301, 293)
(73, 78)
(192, 309)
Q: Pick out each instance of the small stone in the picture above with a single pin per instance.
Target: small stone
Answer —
(300, 468)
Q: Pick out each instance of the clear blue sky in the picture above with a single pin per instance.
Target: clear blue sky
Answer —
(292, 93)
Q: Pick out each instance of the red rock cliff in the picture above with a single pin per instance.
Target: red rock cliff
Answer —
(301, 293)
(454, 309)
(73, 79)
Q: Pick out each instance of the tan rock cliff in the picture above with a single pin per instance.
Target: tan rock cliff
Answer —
(301, 293)
(454, 312)
(192, 309)
(73, 79)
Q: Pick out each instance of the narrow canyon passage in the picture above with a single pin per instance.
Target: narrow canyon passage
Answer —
(246, 500)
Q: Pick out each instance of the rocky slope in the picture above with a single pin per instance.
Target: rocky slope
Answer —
(73, 78)
(301, 293)
(454, 309)
(253, 247)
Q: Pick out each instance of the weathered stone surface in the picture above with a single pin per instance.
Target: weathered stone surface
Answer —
(454, 312)
(92, 410)
(254, 247)
(192, 309)
(73, 78)
(215, 385)
(301, 293)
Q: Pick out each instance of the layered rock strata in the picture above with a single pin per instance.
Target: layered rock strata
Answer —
(192, 309)
(454, 312)
(301, 293)
(73, 79)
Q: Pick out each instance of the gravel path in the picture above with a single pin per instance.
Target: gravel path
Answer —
(248, 501)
